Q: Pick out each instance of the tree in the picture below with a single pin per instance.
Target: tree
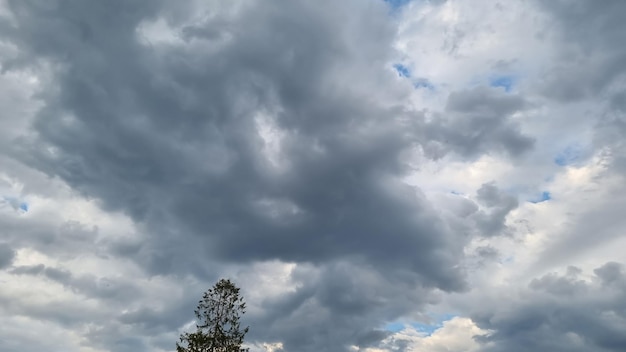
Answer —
(218, 328)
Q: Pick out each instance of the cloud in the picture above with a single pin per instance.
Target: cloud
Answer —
(592, 29)
(560, 313)
(177, 145)
(349, 164)
(7, 254)
(478, 121)
(456, 334)
(505, 82)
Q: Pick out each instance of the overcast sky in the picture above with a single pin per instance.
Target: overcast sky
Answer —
(377, 176)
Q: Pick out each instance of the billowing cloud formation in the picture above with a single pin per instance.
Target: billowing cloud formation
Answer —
(187, 145)
(158, 146)
(562, 313)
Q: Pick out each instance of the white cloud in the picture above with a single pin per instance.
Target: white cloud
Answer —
(455, 335)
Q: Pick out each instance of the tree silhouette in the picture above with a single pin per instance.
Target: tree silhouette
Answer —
(218, 328)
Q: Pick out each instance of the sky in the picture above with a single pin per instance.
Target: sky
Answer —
(376, 176)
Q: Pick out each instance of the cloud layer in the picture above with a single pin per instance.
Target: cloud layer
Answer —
(349, 164)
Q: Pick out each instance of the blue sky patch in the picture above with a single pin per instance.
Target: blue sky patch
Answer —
(15, 203)
(402, 70)
(397, 4)
(428, 329)
(544, 196)
(508, 260)
(394, 327)
(569, 155)
(423, 83)
(505, 82)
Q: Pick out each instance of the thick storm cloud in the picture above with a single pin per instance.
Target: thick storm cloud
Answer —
(181, 144)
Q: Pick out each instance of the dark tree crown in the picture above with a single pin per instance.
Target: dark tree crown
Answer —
(218, 328)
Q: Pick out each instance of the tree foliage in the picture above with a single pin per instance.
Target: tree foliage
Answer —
(218, 328)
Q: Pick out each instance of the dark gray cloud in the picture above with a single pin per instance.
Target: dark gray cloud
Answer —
(109, 150)
(591, 61)
(593, 65)
(7, 254)
(560, 313)
(63, 240)
(104, 288)
(487, 253)
(485, 216)
(497, 204)
(171, 134)
(476, 122)
(352, 295)
(611, 273)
